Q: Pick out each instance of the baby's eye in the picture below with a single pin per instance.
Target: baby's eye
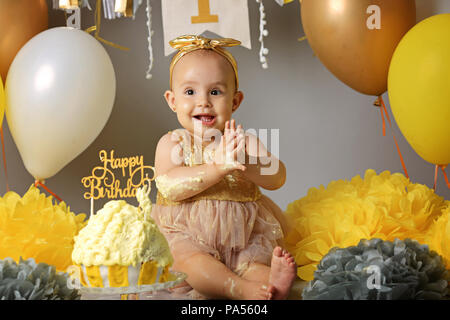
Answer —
(189, 92)
(215, 92)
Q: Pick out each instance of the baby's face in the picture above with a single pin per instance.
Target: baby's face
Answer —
(203, 91)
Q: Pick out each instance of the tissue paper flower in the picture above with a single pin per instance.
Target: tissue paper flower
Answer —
(438, 237)
(34, 227)
(379, 270)
(385, 206)
(28, 280)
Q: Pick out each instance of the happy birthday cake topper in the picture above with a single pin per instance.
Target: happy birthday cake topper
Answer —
(102, 183)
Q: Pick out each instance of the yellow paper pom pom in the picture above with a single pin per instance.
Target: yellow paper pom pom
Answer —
(438, 237)
(385, 206)
(34, 227)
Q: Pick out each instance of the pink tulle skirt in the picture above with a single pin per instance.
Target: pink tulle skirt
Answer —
(236, 233)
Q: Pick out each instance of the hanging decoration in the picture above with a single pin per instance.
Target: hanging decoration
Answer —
(96, 28)
(124, 7)
(282, 2)
(148, 10)
(136, 5)
(228, 19)
(113, 9)
(70, 4)
(109, 10)
(262, 33)
(72, 11)
(120, 8)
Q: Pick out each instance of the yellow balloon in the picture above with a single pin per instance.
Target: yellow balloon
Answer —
(419, 88)
(2, 102)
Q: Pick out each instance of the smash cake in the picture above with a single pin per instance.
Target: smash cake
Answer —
(121, 246)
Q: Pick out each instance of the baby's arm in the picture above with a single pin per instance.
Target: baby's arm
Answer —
(177, 182)
(263, 168)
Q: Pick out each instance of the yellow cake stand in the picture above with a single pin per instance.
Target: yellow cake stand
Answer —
(132, 292)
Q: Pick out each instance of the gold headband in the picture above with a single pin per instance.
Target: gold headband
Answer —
(186, 44)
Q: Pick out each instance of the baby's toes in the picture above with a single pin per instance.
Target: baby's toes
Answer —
(269, 291)
(291, 262)
(287, 254)
(277, 252)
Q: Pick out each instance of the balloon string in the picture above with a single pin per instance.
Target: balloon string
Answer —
(383, 106)
(436, 167)
(96, 28)
(445, 175)
(4, 158)
(39, 183)
(384, 122)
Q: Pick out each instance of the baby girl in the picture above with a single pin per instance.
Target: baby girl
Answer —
(222, 231)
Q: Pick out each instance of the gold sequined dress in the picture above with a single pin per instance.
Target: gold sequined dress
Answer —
(232, 220)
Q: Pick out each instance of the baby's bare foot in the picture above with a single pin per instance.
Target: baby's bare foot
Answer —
(282, 273)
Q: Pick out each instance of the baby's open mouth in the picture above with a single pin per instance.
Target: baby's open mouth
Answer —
(206, 119)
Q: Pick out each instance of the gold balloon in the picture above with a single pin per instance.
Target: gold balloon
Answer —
(20, 20)
(344, 36)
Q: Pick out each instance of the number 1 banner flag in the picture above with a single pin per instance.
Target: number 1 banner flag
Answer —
(226, 18)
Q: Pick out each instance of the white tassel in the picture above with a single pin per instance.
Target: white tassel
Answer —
(108, 10)
(84, 3)
(136, 5)
(68, 4)
(120, 6)
(262, 33)
(150, 33)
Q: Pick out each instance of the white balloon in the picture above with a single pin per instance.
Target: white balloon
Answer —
(60, 91)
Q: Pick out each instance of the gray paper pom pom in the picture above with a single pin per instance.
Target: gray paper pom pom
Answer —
(379, 270)
(30, 281)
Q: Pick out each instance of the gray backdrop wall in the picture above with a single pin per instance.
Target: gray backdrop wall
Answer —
(327, 130)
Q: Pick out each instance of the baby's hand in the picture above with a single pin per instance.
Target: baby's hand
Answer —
(229, 153)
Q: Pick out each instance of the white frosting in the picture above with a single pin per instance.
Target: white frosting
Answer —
(121, 234)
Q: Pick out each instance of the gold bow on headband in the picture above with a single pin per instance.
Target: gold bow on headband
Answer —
(198, 42)
(189, 43)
